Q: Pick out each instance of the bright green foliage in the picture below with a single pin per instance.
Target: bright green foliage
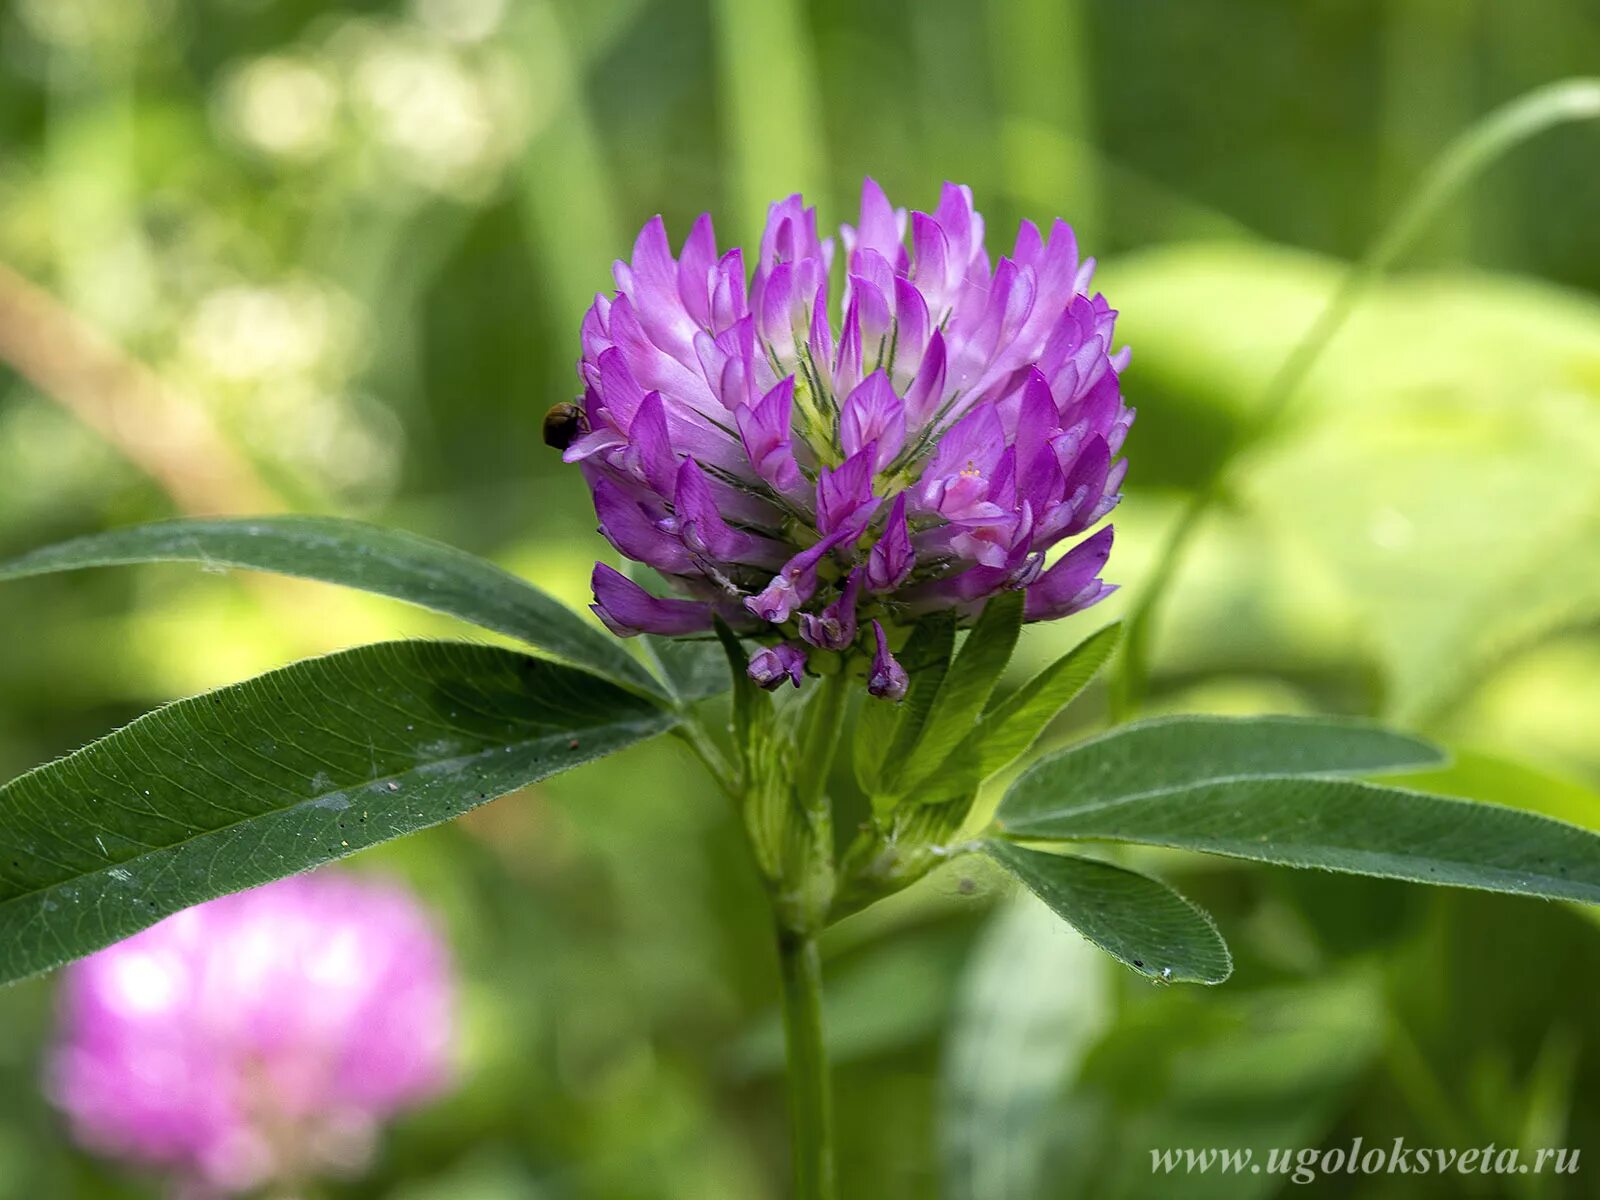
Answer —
(965, 690)
(357, 555)
(886, 733)
(1009, 727)
(1169, 752)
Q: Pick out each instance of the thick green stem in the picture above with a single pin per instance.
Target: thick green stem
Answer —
(810, 1100)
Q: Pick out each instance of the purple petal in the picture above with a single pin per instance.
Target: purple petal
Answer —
(844, 493)
(795, 583)
(912, 327)
(650, 282)
(619, 392)
(764, 429)
(700, 522)
(957, 480)
(627, 609)
(1037, 422)
(887, 679)
(873, 303)
(960, 222)
(728, 297)
(637, 533)
(649, 455)
(1085, 486)
(926, 392)
(835, 627)
(696, 271)
(847, 363)
(770, 666)
(930, 252)
(820, 341)
(873, 413)
(882, 229)
(776, 317)
(892, 559)
(1072, 584)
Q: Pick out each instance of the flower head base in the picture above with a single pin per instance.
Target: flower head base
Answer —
(810, 481)
(257, 1038)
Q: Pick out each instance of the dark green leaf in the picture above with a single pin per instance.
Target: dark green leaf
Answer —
(1137, 920)
(1343, 825)
(279, 773)
(693, 668)
(1177, 751)
(357, 555)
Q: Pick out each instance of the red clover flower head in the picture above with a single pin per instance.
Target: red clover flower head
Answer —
(260, 1038)
(813, 482)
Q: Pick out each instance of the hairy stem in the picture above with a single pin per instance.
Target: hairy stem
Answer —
(1462, 160)
(810, 1102)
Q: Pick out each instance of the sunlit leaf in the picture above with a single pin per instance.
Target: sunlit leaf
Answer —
(1336, 825)
(1171, 752)
(965, 689)
(1009, 727)
(280, 773)
(357, 555)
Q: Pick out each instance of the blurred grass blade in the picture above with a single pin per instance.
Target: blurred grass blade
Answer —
(1047, 135)
(367, 557)
(566, 191)
(1172, 752)
(1034, 999)
(1477, 148)
(280, 773)
(1331, 824)
(770, 105)
(1139, 921)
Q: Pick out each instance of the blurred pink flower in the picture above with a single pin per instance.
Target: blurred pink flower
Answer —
(258, 1038)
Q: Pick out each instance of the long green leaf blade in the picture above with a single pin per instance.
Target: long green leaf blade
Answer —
(1159, 755)
(1345, 825)
(280, 773)
(1137, 920)
(964, 690)
(1008, 728)
(370, 558)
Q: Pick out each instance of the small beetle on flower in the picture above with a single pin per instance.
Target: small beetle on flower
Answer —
(820, 488)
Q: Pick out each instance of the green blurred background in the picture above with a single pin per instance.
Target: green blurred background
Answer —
(331, 258)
